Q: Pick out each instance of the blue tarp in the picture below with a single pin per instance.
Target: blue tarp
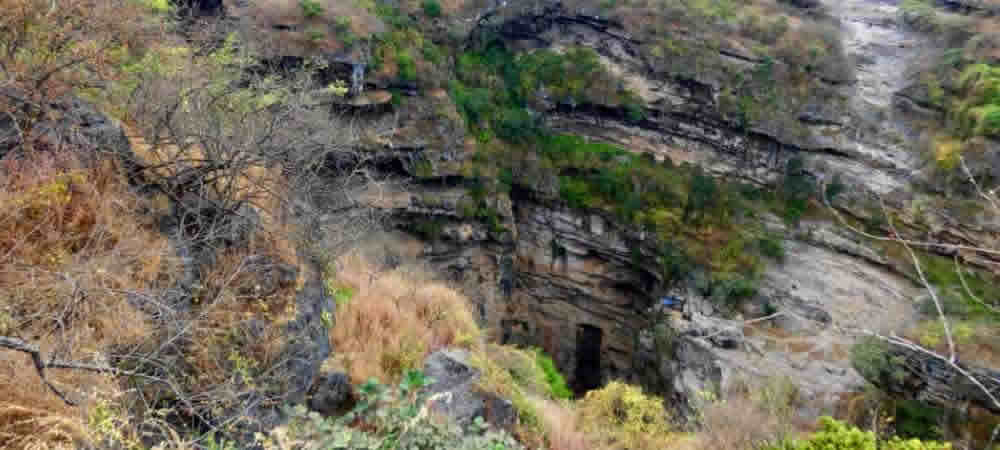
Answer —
(670, 300)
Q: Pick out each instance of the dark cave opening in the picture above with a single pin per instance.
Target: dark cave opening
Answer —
(587, 375)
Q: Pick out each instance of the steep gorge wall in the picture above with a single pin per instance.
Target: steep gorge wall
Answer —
(583, 286)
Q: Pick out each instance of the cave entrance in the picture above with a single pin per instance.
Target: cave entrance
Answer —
(588, 358)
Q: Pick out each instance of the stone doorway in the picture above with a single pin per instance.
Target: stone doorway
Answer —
(587, 375)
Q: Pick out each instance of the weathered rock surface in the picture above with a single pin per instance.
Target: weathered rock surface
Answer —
(580, 286)
(455, 393)
(913, 374)
(67, 124)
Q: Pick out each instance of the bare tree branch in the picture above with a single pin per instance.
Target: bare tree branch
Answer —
(989, 198)
(40, 364)
(968, 290)
(927, 285)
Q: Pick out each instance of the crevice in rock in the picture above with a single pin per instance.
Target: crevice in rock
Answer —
(588, 358)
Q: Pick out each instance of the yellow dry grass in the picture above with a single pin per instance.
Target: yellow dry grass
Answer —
(73, 248)
(562, 424)
(38, 428)
(395, 319)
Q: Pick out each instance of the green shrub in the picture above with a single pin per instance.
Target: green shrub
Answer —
(625, 415)
(311, 8)
(674, 263)
(432, 53)
(796, 188)
(919, 14)
(407, 66)
(634, 111)
(835, 188)
(732, 289)
(917, 420)
(553, 379)
(835, 435)
(432, 8)
(315, 34)
(516, 125)
(870, 357)
(429, 229)
(702, 195)
(770, 246)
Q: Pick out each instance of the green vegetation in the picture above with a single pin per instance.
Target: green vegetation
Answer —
(159, 6)
(795, 191)
(870, 357)
(553, 379)
(387, 417)
(496, 88)
(942, 273)
(432, 8)
(626, 416)
(835, 435)
(311, 8)
(705, 226)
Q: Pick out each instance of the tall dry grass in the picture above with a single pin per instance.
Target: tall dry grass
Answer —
(75, 254)
(395, 319)
(563, 428)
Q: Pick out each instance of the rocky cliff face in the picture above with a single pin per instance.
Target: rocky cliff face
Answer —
(584, 286)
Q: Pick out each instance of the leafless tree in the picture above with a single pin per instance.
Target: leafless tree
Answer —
(240, 154)
(943, 372)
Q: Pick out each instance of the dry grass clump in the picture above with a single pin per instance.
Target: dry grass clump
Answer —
(749, 417)
(563, 427)
(76, 260)
(36, 428)
(395, 319)
(735, 424)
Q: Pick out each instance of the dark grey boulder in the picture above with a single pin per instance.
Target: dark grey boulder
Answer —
(332, 394)
(457, 395)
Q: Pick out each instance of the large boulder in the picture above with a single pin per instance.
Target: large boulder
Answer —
(454, 387)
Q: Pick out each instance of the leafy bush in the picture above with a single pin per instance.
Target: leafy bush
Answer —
(674, 263)
(407, 66)
(797, 187)
(702, 195)
(516, 125)
(731, 289)
(870, 357)
(553, 379)
(432, 8)
(835, 188)
(835, 435)
(625, 416)
(770, 246)
(395, 320)
(919, 14)
(311, 8)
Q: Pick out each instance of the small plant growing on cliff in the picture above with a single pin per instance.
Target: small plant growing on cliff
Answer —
(311, 8)
(702, 195)
(432, 8)
(553, 379)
